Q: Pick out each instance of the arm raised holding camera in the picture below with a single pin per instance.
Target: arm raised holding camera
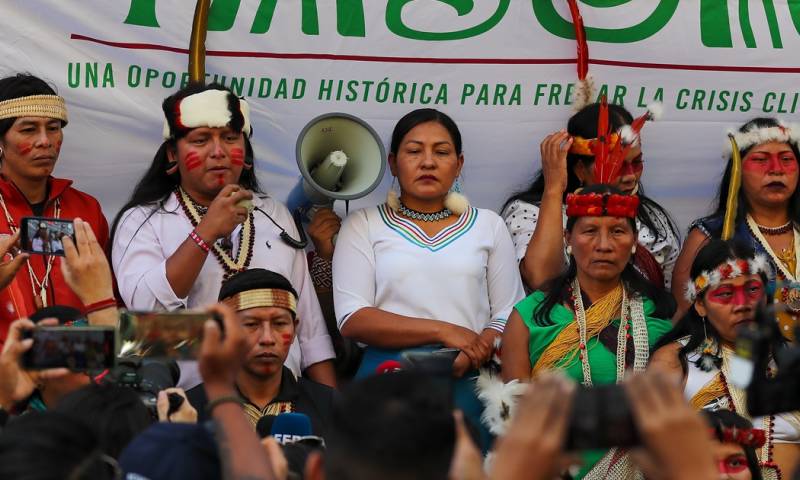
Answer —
(87, 272)
(222, 355)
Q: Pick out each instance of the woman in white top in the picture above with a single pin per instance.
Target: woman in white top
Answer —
(728, 284)
(426, 268)
(536, 217)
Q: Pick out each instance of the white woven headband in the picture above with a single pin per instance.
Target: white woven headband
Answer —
(784, 133)
(726, 271)
(207, 109)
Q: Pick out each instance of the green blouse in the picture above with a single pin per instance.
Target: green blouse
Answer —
(602, 361)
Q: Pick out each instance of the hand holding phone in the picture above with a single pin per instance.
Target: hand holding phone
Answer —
(43, 236)
(75, 348)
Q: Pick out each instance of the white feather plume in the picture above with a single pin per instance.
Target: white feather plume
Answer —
(456, 203)
(691, 291)
(735, 270)
(393, 200)
(499, 400)
(584, 93)
(629, 137)
(656, 110)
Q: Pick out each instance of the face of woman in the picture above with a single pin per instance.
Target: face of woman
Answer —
(769, 174)
(31, 147)
(731, 461)
(426, 163)
(731, 304)
(601, 246)
(208, 159)
(629, 174)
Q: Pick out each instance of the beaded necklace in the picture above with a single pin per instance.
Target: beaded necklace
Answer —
(631, 317)
(245, 253)
(422, 216)
(40, 298)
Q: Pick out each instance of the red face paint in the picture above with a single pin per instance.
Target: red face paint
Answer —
(764, 163)
(221, 179)
(192, 160)
(634, 167)
(237, 157)
(733, 464)
(24, 148)
(287, 339)
(750, 292)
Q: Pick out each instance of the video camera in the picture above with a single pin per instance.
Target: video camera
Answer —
(768, 391)
(147, 377)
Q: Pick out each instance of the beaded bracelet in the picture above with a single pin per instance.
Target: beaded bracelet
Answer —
(219, 401)
(101, 305)
(199, 241)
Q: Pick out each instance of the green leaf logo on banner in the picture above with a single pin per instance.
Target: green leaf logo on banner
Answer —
(715, 23)
(554, 23)
(394, 20)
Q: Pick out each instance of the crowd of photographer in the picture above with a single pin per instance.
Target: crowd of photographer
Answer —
(433, 340)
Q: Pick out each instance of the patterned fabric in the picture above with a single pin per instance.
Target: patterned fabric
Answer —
(321, 271)
(414, 234)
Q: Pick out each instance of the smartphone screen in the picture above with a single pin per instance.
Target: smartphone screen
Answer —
(76, 348)
(164, 335)
(44, 236)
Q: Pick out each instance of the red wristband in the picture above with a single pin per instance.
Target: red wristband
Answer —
(101, 305)
(199, 241)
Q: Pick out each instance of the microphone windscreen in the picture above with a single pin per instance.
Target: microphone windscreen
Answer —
(289, 427)
(264, 425)
(388, 366)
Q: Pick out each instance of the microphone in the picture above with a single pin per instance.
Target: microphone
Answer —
(388, 366)
(264, 425)
(290, 427)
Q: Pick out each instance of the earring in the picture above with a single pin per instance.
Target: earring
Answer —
(1, 152)
(392, 197)
(569, 249)
(633, 250)
(709, 358)
(172, 167)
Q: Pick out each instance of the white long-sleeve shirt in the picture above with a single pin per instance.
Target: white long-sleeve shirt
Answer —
(465, 275)
(144, 242)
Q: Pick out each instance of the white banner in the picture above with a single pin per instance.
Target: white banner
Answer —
(501, 68)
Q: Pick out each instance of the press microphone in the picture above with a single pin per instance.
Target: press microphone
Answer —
(388, 366)
(290, 427)
(264, 425)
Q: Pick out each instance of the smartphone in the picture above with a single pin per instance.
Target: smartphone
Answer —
(76, 348)
(601, 418)
(43, 236)
(163, 335)
(438, 362)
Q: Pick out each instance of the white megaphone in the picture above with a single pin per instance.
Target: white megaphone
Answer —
(340, 157)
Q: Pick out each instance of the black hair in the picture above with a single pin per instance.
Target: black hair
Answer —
(743, 205)
(21, 85)
(557, 289)
(420, 116)
(394, 426)
(584, 124)
(155, 187)
(712, 255)
(719, 420)
(115, 413)
(48, 445)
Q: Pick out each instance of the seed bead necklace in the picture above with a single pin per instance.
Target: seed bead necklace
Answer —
(40, 298)
(245, 253)
(631, 317)
(422, 216)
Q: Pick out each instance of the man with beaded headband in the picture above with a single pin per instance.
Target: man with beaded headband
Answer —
(727, 286)
(598, 320)
(197, 217)
(758, 204)
(266, 304)
(32, 117)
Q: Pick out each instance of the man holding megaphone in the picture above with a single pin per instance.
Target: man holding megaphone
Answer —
(198, 217)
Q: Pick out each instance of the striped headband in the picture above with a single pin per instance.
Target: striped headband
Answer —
(48, 106)
(263, 297)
